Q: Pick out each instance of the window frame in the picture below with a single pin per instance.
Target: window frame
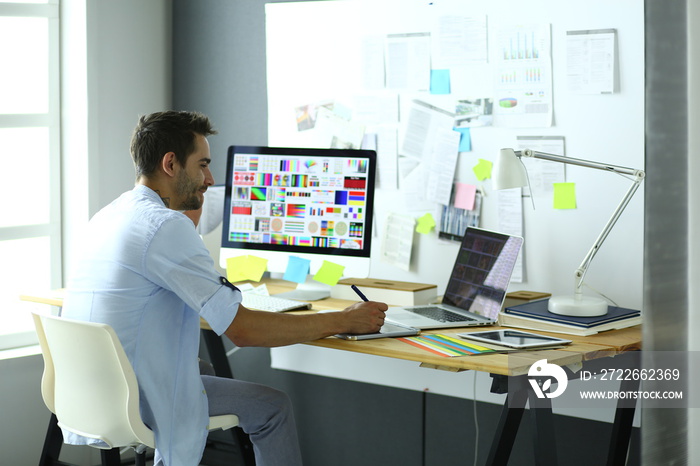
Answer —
(52, 121)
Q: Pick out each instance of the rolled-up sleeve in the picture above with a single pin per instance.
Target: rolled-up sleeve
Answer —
(211, 311)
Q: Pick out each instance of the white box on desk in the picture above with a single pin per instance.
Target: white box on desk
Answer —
(391, 292)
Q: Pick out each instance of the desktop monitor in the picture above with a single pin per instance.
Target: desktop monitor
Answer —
(315, 204)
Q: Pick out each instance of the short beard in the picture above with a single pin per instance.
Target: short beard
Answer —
(186, 188)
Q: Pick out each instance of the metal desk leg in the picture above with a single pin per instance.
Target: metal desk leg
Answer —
(519, 393)
(508, 423)
(543, 430)
(217, 354)
(622, 426)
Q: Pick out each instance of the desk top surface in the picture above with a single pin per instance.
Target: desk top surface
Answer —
(583, 348)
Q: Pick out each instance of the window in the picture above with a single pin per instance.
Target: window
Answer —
(30, 228)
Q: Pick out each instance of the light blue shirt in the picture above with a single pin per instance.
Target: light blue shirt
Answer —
(145, 271)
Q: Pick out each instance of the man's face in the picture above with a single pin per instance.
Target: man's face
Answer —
(193, 180)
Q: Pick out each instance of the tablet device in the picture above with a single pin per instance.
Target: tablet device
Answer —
(389, 329)
(514, 338)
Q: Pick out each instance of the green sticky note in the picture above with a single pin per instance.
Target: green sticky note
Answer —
(247, 267)
(425, 224)
(482, 170)
(439, 81)
(297, 269)
(329, 273)
(564, 195)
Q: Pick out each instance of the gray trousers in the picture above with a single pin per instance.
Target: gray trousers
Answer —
(264, 413)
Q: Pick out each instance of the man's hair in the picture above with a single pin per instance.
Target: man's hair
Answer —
(162, 132)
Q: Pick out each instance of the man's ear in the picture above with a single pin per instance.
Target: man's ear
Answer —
(168, 163)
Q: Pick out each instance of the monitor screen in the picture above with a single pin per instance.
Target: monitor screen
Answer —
(294, 201)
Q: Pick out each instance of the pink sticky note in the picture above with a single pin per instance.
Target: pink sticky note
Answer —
(464, 196)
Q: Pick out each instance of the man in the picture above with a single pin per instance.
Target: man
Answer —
(145, 271)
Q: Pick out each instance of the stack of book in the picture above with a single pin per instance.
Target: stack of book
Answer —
(389, 291)
(535, 316)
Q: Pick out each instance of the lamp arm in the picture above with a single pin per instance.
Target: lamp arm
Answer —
(580, 162)
(638, 175)
(583, 268)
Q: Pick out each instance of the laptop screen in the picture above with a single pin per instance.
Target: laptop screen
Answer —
(482, 271)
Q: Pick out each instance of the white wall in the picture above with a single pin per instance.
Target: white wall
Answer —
(116, 66)
(121, 71)
(606, 128)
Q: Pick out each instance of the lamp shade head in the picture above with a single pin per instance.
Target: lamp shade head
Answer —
(508, 171)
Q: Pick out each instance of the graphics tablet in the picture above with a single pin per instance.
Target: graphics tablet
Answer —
(389, 329)
(514, 339)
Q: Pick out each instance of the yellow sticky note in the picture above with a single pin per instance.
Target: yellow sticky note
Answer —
(245, 268)
(425, 223)
(235, 268)
(256, 268)
(329, 273)
(482, 170)
(564, 195)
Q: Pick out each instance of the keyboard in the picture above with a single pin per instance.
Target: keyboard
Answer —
(440, 314)
(272, 303)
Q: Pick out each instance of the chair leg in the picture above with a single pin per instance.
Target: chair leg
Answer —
(110, 457)
(52, 443)
(140, 458)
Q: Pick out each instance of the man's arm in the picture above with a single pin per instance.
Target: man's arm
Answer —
(269, 329)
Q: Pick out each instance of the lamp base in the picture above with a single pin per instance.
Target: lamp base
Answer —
(586, 306)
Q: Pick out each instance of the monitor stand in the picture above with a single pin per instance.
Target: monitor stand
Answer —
(310, 290)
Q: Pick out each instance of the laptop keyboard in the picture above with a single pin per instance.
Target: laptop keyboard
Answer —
(440, 314)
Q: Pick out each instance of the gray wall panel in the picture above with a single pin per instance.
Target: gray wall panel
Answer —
(664, 434)
(219, 69)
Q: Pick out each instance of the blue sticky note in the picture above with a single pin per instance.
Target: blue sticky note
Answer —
(465, 139)
(297, 269)
(439, 81)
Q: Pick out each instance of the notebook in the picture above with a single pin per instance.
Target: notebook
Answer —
(477, 286)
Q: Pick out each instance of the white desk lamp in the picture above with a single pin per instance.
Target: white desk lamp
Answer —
(509, 172)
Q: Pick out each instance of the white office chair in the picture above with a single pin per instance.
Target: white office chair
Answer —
(84, 365)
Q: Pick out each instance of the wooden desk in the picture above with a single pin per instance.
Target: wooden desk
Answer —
(510, 370)
(506, 369)
(582, 349)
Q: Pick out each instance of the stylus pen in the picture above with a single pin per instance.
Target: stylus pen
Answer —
(359, 293)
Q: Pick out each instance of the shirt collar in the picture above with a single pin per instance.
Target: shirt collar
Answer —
(149, 193)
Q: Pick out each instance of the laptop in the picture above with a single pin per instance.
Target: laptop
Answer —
(477, 286)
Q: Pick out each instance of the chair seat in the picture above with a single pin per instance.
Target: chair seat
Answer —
(223, 422)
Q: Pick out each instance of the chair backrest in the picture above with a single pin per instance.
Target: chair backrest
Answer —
(47, 379)
(89, 383)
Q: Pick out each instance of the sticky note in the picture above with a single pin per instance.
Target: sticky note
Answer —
(235, 269)
(564, 195)
(245, 268)
(482, 170)
(297, 269)
(465, 139)
(329, 273)
(465, 194)
(425, 223)
(440, 81)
